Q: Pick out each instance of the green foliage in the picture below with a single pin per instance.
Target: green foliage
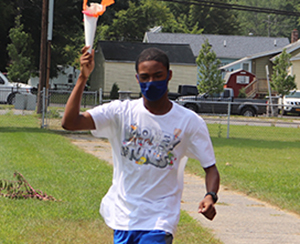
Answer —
(263, 24)
(19, 52)
(196, 19)
(209, 76)
(213, 20)
(53, 113)
(7, 16)
(68, 35)
(282, 82)
(132, 23)
(129, 20)
(242, 93)
(114, 91)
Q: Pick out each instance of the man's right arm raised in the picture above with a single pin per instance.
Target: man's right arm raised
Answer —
(73, 119)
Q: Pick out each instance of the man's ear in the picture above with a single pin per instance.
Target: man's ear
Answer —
(170, 75)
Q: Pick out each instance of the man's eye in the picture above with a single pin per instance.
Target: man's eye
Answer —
(144, 77)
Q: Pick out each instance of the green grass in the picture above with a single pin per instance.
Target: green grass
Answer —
(50, 163)
(266, 165)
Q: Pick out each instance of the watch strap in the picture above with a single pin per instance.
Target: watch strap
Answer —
(213, 195)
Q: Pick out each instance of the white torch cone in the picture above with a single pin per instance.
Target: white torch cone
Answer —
(90, 24)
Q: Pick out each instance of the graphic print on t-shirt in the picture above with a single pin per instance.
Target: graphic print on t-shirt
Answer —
(149, 146)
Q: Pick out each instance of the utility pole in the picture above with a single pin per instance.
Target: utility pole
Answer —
(43, 56)
(49, 39)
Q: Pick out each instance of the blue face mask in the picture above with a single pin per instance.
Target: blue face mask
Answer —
(154, 90)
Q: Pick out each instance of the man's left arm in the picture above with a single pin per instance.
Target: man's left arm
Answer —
(212, 181)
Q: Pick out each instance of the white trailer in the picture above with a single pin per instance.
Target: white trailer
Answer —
(66, 79)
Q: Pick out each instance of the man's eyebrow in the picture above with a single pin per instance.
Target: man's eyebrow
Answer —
(156, 73)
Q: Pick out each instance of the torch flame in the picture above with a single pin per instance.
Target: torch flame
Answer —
(103, 4)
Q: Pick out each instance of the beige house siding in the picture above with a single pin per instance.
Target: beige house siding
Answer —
(260, 70)
(124, 75)
(121, 73)
(182, 75)
(295, 70)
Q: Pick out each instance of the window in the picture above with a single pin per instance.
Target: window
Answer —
(246, 66)
(242, 79)
(70, 78)
(226, 93)
(2, 81)
(293, 94)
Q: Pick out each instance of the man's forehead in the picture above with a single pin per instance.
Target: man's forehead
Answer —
(151, 66)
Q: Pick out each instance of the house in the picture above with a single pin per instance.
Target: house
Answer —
(295, 69)
(115, 63)
(262, 63)
(237, 80)
(228, 48)
(259, 63)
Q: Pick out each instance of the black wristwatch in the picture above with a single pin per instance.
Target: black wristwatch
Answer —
(213, 195)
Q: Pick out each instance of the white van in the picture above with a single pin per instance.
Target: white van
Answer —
(8, 90)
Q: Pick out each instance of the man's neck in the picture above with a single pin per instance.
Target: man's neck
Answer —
(159, 107)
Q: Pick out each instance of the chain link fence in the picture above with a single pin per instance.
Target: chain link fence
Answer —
(222, 124)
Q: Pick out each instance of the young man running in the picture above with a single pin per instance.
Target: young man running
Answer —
(151, 138)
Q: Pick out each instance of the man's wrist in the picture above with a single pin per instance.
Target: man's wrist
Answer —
(213, 195)
(83, 77)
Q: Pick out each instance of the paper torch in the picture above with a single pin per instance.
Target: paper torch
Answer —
(91, 14)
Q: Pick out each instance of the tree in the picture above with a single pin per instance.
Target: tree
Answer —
(282, 82)
(263, 24)
(7, 16)
(214, 20)
(20, 53)
(209, 76)
(126, 20)
(132, 23)
(114, 93)
(210, 20)
(242, 93)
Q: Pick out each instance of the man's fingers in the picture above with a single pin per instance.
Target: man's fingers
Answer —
(201, 207)
(208, 210)
(84, 49)
(209, 213)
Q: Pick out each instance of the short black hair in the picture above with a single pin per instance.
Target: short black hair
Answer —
(150, 54)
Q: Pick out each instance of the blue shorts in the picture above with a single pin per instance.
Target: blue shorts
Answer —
(142, 237)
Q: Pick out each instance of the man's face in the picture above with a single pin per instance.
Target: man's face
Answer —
(149, 71)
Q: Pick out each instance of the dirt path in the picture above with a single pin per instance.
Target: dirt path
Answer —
(240, 219)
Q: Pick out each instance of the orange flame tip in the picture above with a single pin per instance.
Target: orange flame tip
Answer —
(104, 4)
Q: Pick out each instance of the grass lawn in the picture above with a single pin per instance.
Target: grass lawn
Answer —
(265, 165)
(50, 163)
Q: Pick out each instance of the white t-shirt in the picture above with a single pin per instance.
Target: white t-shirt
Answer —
(149, 155)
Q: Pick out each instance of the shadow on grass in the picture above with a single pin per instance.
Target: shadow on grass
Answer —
(8, 129)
